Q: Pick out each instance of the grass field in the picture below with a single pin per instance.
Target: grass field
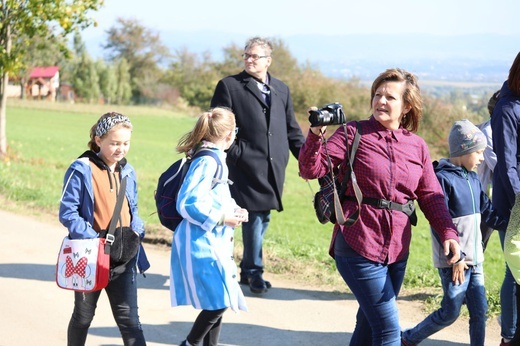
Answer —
(45, 138)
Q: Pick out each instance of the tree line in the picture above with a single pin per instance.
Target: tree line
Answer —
(137, 68)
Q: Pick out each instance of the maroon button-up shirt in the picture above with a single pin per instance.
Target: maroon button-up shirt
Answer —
(392, 165)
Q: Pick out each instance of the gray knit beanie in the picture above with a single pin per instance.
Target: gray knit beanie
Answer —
(465, 138)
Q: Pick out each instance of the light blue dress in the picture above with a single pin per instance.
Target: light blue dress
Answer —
(203, 271)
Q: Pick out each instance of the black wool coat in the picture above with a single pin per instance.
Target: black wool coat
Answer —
(258, 159)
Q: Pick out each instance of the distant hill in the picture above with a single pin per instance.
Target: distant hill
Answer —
(484, 58)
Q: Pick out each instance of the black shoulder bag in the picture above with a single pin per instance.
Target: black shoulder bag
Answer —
(122, 243)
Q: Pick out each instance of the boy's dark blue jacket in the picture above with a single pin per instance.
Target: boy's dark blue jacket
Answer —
(468, 205)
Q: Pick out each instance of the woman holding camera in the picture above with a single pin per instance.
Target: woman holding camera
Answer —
(393, 167)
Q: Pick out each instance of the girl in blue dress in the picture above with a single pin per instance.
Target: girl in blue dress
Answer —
(203, 270)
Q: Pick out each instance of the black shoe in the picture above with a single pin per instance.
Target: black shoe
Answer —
(245, 281)
(257, 284)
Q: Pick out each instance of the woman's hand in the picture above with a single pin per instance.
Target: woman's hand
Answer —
(452, 251)
(317, 130)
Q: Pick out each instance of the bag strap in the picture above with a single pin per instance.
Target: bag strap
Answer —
(115, 216)
(350, 175)
(217, 178)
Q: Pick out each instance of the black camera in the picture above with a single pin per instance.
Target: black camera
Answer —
(330, 114)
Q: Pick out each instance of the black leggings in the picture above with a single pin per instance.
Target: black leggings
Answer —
(207, 326)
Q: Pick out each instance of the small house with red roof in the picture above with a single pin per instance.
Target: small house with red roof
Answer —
(43, 83)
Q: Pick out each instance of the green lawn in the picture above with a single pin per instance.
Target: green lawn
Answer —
(45, 138)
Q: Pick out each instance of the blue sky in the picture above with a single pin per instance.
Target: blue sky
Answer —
(279, 18)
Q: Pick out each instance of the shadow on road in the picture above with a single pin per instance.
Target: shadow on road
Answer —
(29, 271)
(46, 272)
(232, 333)
(240, 334)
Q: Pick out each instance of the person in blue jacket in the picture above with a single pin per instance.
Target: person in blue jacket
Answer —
(203, 270)
(505, 124)
(90, 189)
(463, 282)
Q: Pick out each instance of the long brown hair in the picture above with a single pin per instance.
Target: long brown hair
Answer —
(513, 81)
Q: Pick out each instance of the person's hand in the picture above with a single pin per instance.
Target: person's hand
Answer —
(232, 220)
(240, 215)
(458, 277)
(452, 251)
(317, 130)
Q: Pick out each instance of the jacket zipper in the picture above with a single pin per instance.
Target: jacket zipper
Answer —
(475, 235)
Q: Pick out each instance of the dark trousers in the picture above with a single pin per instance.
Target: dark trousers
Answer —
(206, 327)
(122, 294)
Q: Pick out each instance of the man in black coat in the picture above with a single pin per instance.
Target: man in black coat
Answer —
(257, 160)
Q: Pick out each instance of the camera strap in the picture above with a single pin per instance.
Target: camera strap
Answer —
(349, 175)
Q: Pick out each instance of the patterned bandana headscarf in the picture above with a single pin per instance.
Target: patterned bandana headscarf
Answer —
(107, 123)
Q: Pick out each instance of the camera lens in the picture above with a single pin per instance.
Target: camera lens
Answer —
(322, 117)
(331, 114)
(317, 118)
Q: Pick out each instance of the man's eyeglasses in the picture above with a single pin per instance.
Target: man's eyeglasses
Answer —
(255, 57)
(236, 130)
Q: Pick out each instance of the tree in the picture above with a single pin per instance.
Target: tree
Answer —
(20, 21)
(194, 78)
(232, 62)
(123, 87)
(143, 51)
(107, 80)
(85, 78)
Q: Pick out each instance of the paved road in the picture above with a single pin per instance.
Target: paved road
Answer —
(34, 311)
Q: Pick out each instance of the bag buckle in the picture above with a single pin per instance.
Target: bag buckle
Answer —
(384, 204)
(110, 238)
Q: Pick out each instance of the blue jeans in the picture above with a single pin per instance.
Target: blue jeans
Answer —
(507, 300)
(472, 291)
(376, 287)
(252, 236)
(122, 294)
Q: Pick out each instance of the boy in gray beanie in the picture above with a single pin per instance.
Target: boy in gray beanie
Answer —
(468, 205)
(465, 138)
